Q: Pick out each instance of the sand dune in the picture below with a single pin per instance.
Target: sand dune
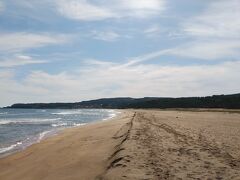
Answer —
(138, 144)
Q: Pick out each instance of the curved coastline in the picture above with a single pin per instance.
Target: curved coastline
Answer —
(57, 128)
(137, 144)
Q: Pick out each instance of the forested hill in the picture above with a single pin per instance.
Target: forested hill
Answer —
(216, 101)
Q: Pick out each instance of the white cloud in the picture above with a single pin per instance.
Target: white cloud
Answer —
(82, 10)
(105, 35)
(19, 60)
(142, 8)
(1, 6)
(204, 50)
(142, 4)
(147, 57)
(14, 42)
(88, 11)
(94, 62)
(221, 19)
(209, 50)
(215, 33)
(111, 80)
(6, 74)
(154, 31)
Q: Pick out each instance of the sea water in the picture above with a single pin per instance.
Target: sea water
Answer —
(20, 128)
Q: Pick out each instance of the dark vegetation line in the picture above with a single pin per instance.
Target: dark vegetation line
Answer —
(216, 101)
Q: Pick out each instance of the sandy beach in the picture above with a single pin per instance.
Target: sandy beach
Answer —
(137, 144)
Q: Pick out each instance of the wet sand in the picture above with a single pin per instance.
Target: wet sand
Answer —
(138, 144)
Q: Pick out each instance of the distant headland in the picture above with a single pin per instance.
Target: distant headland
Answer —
(216, 101)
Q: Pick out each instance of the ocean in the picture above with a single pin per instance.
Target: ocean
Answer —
(20, 128)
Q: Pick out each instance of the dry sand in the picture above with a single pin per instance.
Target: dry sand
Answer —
(139, 144)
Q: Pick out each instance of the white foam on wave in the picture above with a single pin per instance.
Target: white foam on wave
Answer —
(79, 124)
(27, 142)
(81, 112)
(74, 113)
(27, 121)
(42, 135)
(60, 124)
(113, 113)
(42, 110)
(4, 122)
(64, 113)
(6, 149)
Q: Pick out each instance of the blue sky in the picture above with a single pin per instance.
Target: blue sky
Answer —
(74, 50)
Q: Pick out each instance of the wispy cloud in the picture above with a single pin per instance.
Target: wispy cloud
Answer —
(15, 42)
(212, 35)
(83, 10)
(219, 20)
(118, 80)
(215, 33)
(141, 8)
(209, 50)
(204, 50)
(147, 57)
(19, 60)
(1, 6)
(154, 31)
(86, 10)
(109, 36)
(6, 74)
(95, 62)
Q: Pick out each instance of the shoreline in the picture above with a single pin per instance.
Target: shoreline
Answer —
(137, 144)
(18, 146)
(60, 150)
